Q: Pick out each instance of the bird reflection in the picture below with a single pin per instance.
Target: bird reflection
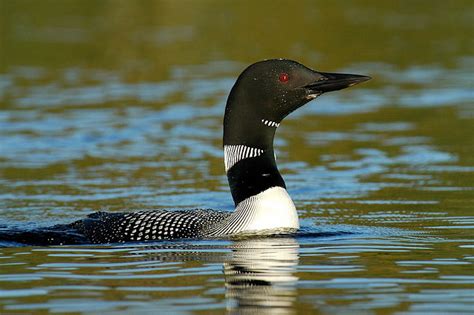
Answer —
(260, 276)
(259, 273)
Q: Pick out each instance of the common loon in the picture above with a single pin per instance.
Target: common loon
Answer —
(264, 94)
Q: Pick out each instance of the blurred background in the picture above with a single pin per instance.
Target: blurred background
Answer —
(118, 105)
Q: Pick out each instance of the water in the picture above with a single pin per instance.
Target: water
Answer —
(118, 106)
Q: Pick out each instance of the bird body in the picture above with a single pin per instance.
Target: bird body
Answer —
(263, 95)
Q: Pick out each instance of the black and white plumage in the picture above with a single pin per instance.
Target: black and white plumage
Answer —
(235, 153)
(263, 95)
(104, 227)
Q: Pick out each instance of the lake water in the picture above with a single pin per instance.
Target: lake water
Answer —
(118, 105)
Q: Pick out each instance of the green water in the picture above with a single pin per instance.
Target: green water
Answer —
(118, 105)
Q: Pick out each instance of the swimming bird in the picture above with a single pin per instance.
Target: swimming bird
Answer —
(263, 95)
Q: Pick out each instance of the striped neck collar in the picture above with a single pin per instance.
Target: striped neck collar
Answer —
(250, 170)
(270, 123)
(236, 153)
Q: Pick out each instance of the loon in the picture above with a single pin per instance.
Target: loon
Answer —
(263, 95)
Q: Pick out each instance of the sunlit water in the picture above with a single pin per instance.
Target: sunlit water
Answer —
(104, 108)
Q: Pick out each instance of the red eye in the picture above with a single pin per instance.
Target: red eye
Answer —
(284, 77)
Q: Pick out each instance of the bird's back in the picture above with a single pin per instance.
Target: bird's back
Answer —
(105, 227)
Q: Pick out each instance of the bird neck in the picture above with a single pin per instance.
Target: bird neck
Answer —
(250, 171)
(259, 192)
(257, 187)
(261, 200)
(249, 156)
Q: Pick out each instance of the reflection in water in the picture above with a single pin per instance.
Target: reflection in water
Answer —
(259, 273)
(260, 276)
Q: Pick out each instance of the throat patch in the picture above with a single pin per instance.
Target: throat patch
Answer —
(235, 153)
(270, 123)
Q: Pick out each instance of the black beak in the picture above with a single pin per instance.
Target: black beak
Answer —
(335, 81)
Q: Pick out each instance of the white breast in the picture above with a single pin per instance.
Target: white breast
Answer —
(269, 211)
